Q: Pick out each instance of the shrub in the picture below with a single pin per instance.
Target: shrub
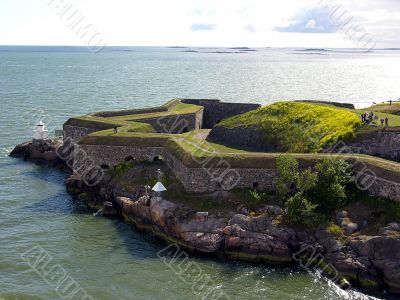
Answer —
(307, 180)
(300, 210)
(288, 171)
(330, 191)
(257, 197)
(289, 175)
(335, 230)
(121, 168)
(324, 190)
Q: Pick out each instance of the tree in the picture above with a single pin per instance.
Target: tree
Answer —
(300, 210)
(287, 167)
(333, 178)
(289, 175)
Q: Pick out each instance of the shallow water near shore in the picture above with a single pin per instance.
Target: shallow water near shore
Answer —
(106, 257)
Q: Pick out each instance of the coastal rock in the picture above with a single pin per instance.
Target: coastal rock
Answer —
(384, 254)
(390, 229)
(273, 210)
(265, 224)
(42, 152)
(21, 150)
(328, 240)
(349, 227)
(253, 246)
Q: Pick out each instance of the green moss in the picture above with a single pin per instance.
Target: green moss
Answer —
(298, 126)
(335, 230)
(121, 168)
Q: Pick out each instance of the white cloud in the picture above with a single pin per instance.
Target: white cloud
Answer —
(311, 24)
(205, 22)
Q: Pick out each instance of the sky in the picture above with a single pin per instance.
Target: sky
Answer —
(222, 23)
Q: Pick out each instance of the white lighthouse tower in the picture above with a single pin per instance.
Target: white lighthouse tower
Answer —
(40, 132)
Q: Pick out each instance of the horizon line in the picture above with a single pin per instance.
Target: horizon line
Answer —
(188, 46)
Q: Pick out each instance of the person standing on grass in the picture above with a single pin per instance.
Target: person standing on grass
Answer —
(382, 121)
(115, 129)
(386, 122)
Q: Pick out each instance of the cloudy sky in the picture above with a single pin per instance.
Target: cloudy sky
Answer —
(282, 23)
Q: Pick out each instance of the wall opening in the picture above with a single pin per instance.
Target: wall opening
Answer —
(255, 185)
(105, 167)
(129, 159)
(157, 158)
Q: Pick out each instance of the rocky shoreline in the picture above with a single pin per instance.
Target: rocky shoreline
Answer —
(369, 262)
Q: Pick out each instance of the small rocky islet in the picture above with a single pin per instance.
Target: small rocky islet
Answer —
(358, 245)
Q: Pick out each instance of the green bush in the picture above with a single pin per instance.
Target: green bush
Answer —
(121, 168)
(288, 169)
(330, 191)
(322, 191)
(335, 230)
(257, 197)
(289, 175)
(300, 210)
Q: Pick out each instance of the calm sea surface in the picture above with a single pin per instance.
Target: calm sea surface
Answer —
(106, 257)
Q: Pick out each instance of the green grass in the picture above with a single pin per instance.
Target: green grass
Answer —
(129, 123)
(299, 126)
(335, 230)
(386, 108)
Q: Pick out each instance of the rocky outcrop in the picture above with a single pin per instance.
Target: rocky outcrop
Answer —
(384, 254)
(42, 152)
(369, 262)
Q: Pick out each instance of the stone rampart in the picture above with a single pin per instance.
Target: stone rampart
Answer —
(216, 110)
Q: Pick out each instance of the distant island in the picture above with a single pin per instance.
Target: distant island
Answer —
(308, 183)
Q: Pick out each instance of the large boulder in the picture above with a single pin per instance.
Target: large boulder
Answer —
(255, 246)
(384, 254)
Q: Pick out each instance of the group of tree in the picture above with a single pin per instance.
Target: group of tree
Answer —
(313, 193)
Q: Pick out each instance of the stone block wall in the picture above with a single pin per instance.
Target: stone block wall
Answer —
(380, 187)
(385, 144)
(215, 110)
(109, 156)
(213, 178)
(76, 133)
(194, 180)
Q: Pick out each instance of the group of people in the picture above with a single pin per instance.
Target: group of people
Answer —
(370, 117)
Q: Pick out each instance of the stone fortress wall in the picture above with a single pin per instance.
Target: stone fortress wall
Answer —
(176, 123)
(385, 144)
(216, 110)
(208, 178)
(194, 180)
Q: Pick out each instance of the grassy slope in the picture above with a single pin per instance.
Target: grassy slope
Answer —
(131, 121)
(298, 126)
(386, 108)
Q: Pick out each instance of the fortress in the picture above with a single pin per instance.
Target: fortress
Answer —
(232, 148)
(178, 131)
